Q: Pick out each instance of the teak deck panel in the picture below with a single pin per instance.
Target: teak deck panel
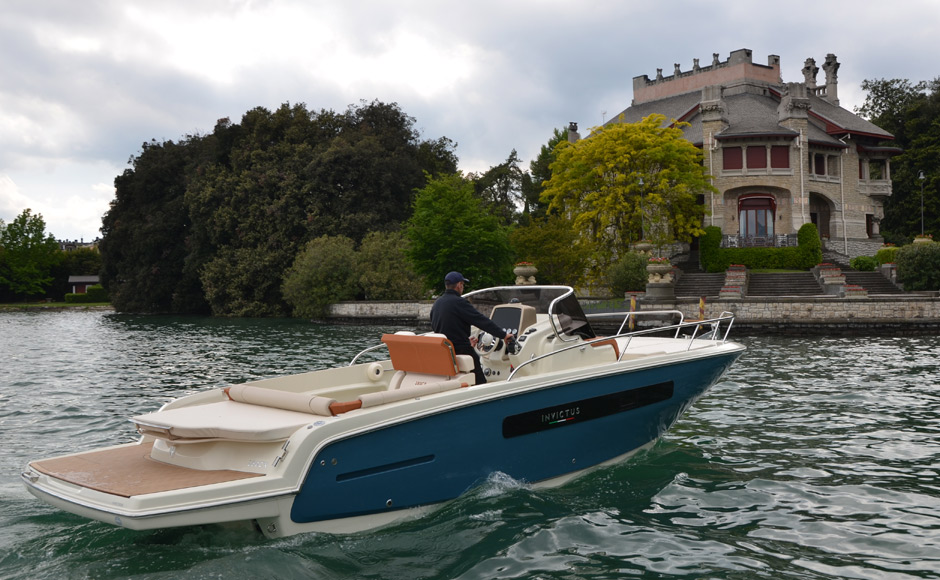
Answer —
(129, 471)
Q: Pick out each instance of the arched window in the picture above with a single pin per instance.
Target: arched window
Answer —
(756, 215)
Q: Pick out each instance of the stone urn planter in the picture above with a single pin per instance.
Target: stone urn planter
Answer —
(525, 274)
(643, 248)
(659, 273)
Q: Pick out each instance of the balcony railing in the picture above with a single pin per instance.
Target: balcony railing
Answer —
(775, 241)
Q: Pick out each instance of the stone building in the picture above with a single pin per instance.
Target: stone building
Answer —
(781, 154)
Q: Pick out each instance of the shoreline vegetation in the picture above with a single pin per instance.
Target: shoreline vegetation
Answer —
(53, 306)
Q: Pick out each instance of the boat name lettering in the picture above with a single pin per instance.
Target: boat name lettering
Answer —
(256, 463)
(585, 409)
(559, 416)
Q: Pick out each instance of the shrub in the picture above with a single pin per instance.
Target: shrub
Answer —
(864, 263)
(97, 293)
(384, 272)
(553, 244)
(807, 238)
(323, 273)
(94, 293)
(710, 250)
(627, 275)
(803, 257)
(789, 258)
(919, 266)
(887, 255)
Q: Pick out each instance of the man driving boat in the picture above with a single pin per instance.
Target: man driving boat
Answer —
(453, 316)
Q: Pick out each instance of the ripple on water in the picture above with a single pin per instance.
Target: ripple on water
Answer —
(814, 458)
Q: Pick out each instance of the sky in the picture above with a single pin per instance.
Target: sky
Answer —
(84, 84)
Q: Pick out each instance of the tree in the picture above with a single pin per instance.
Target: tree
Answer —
(540, 173)
(628, 274)
(919, 266)
(78, 262)
(211, 223)
(450, 230)
(143, 247)
(556, 249)
(627, 181)
(887, 103)
(383, 269)
(28, 256)
(323, 273)
(500, 188)
(911, 113)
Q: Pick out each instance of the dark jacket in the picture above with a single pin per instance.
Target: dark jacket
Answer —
(452, 316)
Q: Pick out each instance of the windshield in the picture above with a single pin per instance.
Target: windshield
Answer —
(557, 300)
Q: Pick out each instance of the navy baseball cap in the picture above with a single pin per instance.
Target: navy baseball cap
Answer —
(454, 277)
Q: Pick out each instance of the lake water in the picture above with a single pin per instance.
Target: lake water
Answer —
(814, 458)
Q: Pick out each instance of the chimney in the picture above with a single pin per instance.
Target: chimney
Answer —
(794, 103)
(809, 73)
(712, 105)
(573, 136)
(831, 66)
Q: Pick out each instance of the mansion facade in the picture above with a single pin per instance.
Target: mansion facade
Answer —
(781, 154)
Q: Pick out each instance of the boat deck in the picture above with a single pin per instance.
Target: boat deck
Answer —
(129, 471)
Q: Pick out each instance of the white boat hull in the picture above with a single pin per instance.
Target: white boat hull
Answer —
(298, 454)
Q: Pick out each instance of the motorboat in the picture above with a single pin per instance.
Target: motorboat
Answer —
(403, 427)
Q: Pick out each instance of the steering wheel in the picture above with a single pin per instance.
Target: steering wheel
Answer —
(487, 343)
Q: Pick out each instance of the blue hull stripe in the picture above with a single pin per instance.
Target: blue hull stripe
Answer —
(438, 457)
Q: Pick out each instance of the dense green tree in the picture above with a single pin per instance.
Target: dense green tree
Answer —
(252, 216)
(450, 230)
(384, 271)
(212, 223)
(919, 266)
(887, 102)
(78, 262)
(628, 274)
(555, 247)
(143, 247)
(540, 172)
(367, 175)
(28, 255)
(500, 188)
(628, 181)
(325, 272)
(911, 112)
(83, 262)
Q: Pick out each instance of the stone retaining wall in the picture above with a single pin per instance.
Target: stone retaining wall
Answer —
(915, 314)
(396, 311)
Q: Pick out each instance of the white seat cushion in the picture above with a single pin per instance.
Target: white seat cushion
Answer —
(223, 420)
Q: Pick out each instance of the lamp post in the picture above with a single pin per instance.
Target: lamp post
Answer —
(921, 177)
(642, 212)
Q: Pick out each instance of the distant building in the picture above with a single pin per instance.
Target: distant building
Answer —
(80, 284)
(71, 245)
(782, 154)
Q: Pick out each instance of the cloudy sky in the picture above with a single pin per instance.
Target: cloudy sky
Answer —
(84, 84)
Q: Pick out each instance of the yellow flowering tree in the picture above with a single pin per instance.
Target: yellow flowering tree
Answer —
(627, 182)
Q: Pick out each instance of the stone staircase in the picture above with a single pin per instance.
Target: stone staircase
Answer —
(874, 282)
(697, 284)
(693, 282)
(783, 284)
